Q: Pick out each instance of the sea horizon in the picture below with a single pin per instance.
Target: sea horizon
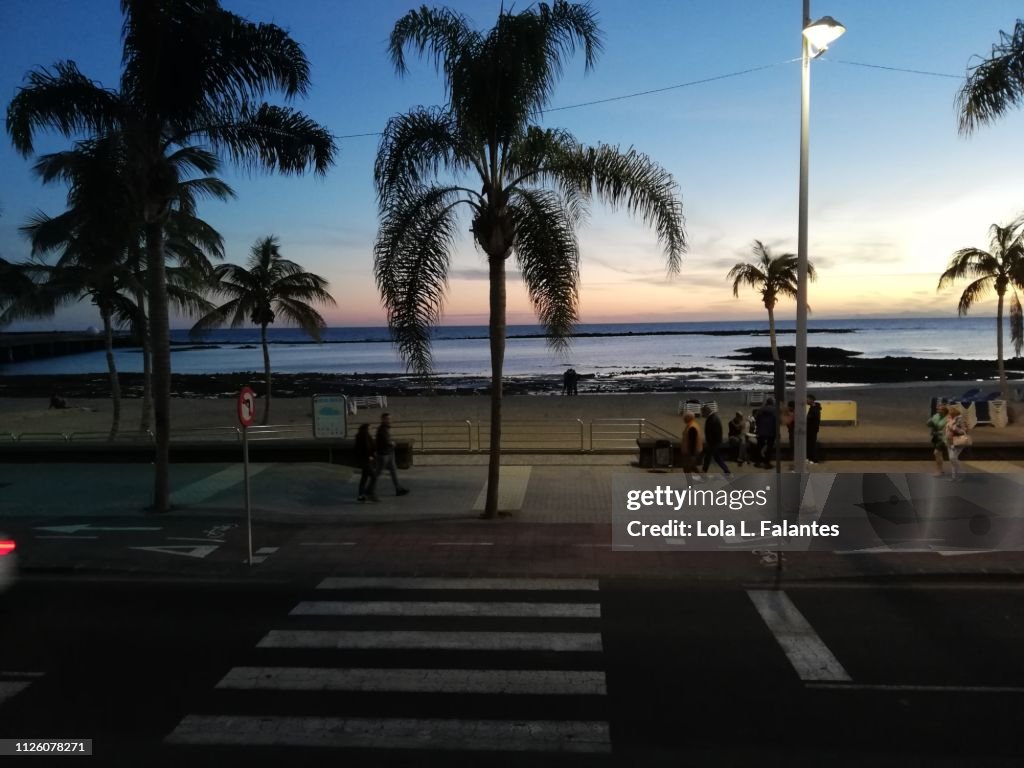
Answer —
(713, 352)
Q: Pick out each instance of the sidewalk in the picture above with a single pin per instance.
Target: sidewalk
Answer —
(307, 523)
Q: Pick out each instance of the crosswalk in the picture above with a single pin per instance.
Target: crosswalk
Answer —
(13, 683)
(431, 664)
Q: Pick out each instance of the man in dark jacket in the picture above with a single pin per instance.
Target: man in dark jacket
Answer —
(386, 453)
(813, 425)
(713, 440)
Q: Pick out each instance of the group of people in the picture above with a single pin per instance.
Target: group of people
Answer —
(948, 428)
(570, 380)
(375, 454)
(702, 446)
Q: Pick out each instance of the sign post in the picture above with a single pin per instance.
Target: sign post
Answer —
(246, 416)
(330, 416)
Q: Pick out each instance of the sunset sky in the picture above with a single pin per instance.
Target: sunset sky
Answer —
(894, 189)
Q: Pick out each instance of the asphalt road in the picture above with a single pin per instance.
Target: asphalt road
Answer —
(561, 672)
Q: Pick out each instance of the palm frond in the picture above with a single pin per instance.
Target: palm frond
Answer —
(414, 147)
(299, 313)
(972, 293)
(411, 261)
(1016, 325)
(548, 255)
(63, 100)
(439, 32)
(993, 85)
(647, 190)
(745, 274)
(231, 312)
(274, 138)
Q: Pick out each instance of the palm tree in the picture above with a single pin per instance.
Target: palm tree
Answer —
(993, 85)
(192, 72)
(1000, 268)
(774, 276)
(526, 188)
(98, 240)
(271, 287)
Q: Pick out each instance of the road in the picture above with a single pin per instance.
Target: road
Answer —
(460, 672)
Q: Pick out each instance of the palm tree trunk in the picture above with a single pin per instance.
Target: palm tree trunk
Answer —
(771, 333)
(160, 339)
(147, 363)
(115, 385)
(1004, 389)
(266, 372)
(497, 333)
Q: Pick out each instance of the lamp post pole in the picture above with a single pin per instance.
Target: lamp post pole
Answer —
(800, 369)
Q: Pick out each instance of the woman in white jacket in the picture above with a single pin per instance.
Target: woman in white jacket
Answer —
(956, 439)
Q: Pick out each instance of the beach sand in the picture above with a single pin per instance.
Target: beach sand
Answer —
(886, 413)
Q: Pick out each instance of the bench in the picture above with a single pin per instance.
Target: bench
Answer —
(842, 413)
(371, 401)
(694, 406)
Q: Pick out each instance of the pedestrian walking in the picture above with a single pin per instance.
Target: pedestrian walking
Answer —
(937, 428)
(386, 453)
(692, 443)
(366, 457)
(767, 431)
(713, 440)
(957, 440)
(813, 425)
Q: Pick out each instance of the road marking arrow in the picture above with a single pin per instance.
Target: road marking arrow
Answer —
(90, 527)
(201, 551)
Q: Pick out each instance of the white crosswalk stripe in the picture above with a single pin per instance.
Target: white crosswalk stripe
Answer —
(11, 688)
(508, 681)
(449, 641)
(398, 608)
(362, 618)
(395, 733)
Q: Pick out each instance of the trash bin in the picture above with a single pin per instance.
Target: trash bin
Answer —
(403, 453)
(662, 453)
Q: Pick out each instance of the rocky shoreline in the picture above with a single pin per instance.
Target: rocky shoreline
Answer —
(827, 365)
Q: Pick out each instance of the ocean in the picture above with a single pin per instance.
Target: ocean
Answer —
(605, 350)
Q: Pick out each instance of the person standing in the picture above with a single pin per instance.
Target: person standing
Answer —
(692, 445)
(366, 458)
(738, 436)
(767, 430)
(813, 425)
(386, 453)
(937, 427)
(566, 377)
(956, 439)
(789, 419)
(574, 379)
(713, 440)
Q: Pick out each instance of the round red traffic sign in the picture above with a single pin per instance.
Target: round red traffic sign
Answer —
(246, 407)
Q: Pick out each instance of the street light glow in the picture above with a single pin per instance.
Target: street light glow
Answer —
(822, 33)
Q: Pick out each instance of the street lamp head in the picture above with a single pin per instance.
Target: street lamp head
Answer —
(822, 33)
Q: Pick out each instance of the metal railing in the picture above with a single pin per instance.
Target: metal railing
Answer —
(436, 436)
(535, 435)
(560, 435)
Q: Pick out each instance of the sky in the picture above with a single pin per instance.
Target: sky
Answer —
(894, 190)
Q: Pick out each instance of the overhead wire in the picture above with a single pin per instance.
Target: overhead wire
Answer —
(712, 79)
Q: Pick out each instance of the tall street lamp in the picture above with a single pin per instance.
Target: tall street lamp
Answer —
(816, 36)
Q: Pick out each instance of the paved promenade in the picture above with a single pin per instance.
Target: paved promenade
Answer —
(307, 522)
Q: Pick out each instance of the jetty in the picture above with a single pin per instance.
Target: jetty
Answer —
(19, 347)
